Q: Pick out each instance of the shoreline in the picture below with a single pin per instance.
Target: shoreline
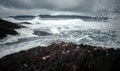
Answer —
(63, 57)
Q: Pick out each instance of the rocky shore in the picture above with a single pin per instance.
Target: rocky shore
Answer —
(8, 28)
(63, 57)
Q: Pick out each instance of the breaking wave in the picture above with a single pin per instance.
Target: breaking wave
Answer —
(69, 30)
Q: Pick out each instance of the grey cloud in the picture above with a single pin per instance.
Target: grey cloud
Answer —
(49, 4)
(13, 11)
(92, 6)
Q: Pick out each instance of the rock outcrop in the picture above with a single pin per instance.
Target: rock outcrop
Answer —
(8, 28)
(63, 57)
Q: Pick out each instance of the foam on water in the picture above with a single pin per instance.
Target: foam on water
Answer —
(10, 19)
(23, 33)
(71, 30)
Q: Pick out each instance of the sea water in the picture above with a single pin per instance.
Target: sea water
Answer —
(96, 33)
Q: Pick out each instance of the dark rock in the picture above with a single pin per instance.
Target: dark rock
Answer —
(41, 33)
(7, 28)
(57, 58)
(5, 31)
(25, 23)
(10, 25)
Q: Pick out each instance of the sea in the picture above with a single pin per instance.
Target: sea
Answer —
(43, 30)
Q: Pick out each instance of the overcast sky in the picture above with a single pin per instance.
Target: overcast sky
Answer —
(22, 7)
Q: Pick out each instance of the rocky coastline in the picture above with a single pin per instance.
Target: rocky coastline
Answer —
(63, 57)
(8, 28)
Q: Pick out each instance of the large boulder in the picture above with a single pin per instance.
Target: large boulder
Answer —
(8, 28)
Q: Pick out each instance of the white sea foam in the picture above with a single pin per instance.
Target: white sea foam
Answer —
(23, 33)
(70, 30)
(10, 19)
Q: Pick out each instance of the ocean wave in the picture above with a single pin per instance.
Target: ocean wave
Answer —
(71, 30)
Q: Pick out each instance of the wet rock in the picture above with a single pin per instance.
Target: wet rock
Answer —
(41, 33)
(63, 57)
(10, 25)
(5, 31)
(7, 28)
(25, 23)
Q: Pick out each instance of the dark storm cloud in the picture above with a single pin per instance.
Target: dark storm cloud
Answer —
(64, 5)
(58, 4)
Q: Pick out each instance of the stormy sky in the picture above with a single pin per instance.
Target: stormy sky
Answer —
(92, 7)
